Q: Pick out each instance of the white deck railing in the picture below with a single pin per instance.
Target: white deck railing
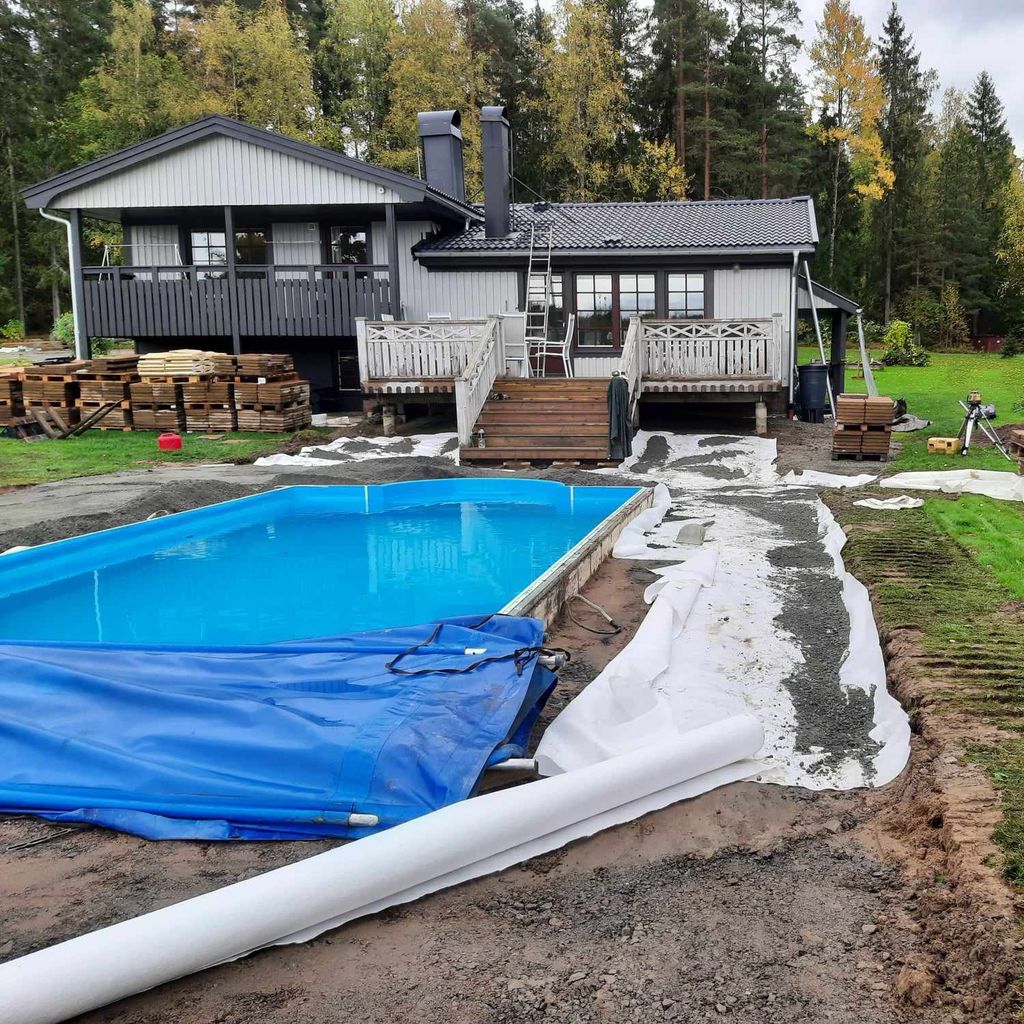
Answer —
(400, 350)
(476, 381)
(631, 362)
(711, 349)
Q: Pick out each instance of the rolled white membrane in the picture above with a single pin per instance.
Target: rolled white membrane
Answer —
(298, 902)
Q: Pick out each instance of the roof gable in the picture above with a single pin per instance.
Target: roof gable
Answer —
(221, 161)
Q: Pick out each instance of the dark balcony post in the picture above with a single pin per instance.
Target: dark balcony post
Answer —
(394, 283)
(229, 246)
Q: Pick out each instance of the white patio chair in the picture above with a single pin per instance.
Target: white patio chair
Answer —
(541, 351)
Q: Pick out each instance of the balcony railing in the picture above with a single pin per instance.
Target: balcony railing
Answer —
(290, 300)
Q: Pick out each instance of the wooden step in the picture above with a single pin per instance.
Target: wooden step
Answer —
(499, 428)
(556, 440)
(566, 410)
(551, 454)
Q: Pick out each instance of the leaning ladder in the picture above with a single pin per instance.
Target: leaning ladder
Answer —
(538, 298)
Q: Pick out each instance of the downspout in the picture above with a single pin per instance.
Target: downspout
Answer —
(73, 269)
(793, 314)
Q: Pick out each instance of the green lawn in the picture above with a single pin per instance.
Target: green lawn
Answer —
(932, 392)
(992, 531)
(99, 452)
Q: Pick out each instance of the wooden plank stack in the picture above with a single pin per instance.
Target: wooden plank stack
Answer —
(11, 405)
(269, 396)
(53, 387)
(183, 364)
(863, 427)
(157, 405)
(209, 405)
(1015, 446)
(107, 380)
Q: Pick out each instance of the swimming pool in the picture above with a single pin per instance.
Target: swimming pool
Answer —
(301, 562)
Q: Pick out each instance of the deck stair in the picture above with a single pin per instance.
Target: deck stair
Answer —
(536, 420)
(538, 296)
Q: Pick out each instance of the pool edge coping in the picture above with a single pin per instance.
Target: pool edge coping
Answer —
(544, 597)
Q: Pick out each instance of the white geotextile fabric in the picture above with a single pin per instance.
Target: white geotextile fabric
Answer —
(992, 483)
(815, 478)
(903, 501)
(359, 449)
(710, 647)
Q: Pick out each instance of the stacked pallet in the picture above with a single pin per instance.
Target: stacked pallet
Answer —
(53, 387)
(1015, 446)
(863, 427)
(208, 405)
(11, 406)
(269, 397)
(157, 405)
(104, 381)
(185, 363)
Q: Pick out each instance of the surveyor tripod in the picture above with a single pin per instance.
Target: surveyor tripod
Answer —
(975, 416)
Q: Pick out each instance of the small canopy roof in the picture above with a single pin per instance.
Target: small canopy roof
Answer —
(826, 298)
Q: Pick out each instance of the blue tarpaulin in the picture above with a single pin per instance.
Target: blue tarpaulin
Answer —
(270, 742)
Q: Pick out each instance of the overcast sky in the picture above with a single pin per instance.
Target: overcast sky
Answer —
(958, 38)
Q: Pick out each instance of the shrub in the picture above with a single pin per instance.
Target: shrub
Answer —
(101, 346)
(14, 330)
(901, 349)
(1013, 345)
(63, 330)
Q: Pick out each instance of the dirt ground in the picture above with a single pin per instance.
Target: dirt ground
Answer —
(766, 904)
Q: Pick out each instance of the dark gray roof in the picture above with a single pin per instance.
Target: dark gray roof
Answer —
(410, 188)
(740, 224)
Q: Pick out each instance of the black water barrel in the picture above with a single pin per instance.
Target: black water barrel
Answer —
(813, 392)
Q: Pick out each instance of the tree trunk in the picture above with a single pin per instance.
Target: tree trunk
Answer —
(707, 126)
(19, 288)
(764, 159)
(680, 102)
(55, 282)
(835, 214)
(889, 234)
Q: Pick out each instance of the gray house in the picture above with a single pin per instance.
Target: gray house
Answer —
(383, 284)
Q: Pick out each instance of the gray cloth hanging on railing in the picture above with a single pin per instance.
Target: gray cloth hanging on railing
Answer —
(620, 430)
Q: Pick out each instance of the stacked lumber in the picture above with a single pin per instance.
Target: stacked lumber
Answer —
(53, 387)
(157, 405)
(269, 396)
(185, 363)
(11, 406)
(863, 427)
(209, 405)
(1015, 446)
(104, 381)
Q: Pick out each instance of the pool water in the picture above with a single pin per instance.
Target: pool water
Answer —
(301, 562)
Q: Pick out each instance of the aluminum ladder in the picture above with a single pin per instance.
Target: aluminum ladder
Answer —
(538, 298)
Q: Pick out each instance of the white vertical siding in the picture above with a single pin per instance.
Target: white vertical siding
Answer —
(756, 292)
(462, 293)
(219, 171)
(594, 366)
(152, 245)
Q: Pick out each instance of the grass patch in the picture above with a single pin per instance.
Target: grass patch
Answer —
(946, 571)
(932, 392)
(99, 452)
(992, 531)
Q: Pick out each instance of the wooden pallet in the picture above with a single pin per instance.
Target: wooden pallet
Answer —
(862, 456)
(152, 417)
(117, 417)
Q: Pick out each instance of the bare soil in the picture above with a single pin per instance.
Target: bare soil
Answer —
(767, 904)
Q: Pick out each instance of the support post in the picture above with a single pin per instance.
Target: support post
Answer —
(229, 246)
(817, 333)
(837, 351)
(394, 278)
(760, 418)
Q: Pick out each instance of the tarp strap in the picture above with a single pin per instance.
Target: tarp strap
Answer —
(521, 656)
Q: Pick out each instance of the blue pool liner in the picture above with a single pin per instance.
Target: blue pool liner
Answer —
(278, 741)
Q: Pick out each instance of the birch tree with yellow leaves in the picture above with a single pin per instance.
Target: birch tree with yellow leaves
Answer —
(848, 90)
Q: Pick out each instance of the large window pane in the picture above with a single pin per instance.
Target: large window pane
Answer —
(251, 247)
(348, 245)
(594, 310)
(686, 296)
(209, 250)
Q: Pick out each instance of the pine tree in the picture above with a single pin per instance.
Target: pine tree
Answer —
(353, 68)
(586, 101)
(907, 91)
(849, 92)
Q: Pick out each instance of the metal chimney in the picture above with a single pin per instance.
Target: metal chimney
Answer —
(496, 137)
(441, 136)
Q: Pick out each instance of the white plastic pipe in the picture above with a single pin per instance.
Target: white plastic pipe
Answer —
(300, 901)
(77, 311)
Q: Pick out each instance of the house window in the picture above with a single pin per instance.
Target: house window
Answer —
(251, 248)
(637, 297)
(595, 311)
(685, 296)
(209, 249)
(349, 245)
